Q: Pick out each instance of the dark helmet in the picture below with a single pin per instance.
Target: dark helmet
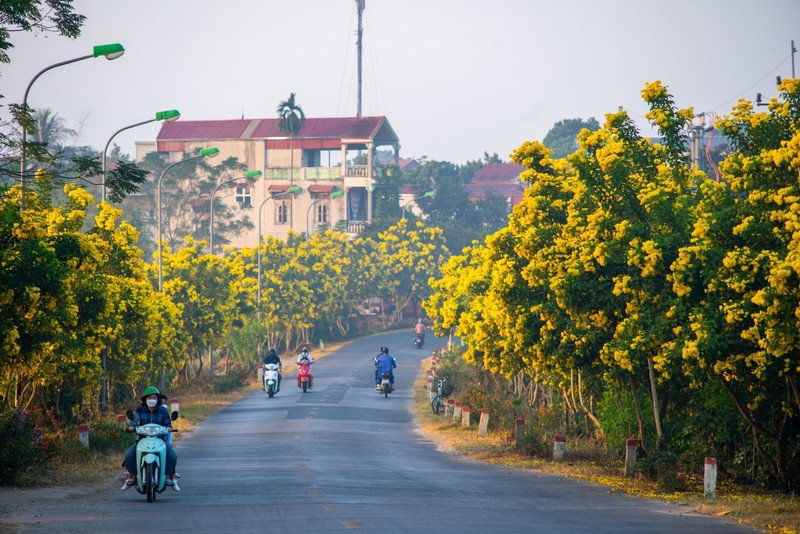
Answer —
(305, 349)
(272, 350)
(385, 350)
(150, 391)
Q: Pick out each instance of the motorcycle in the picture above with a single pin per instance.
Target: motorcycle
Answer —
(305, 380)
(151, 456)
(271, 379)
(419, 340)
(386, 385)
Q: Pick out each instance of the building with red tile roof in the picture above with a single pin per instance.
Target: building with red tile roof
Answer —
(319, 159)
(500, 178)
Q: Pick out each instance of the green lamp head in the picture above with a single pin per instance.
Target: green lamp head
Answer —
(110, 51)
(170, 115)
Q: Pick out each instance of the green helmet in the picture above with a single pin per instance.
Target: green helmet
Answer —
(149, 391)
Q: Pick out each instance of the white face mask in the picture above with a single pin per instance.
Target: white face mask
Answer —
(152, 402)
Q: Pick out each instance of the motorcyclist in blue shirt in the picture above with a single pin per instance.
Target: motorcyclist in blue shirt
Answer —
(151, 411)
(385, 364)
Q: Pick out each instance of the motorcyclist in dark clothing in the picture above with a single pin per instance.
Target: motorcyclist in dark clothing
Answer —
(272, 357)
(151, 411)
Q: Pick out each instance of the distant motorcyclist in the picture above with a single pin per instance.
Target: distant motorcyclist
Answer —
(304, 356)
(272, 357)
(151, 411)
(386, 364)
(419, 329)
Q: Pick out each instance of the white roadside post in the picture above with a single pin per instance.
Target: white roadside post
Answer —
(630, 457)
(483, 425)
(465, 421)
(710, 478)
(558, 447)
(83, 435)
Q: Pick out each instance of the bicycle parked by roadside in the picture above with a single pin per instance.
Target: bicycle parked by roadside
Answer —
(442, 392)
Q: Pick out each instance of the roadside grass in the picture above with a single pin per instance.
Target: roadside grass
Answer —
(772, 512)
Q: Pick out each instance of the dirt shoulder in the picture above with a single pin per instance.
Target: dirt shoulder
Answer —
(770, 512)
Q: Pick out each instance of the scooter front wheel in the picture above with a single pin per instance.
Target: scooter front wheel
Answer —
(150, 483)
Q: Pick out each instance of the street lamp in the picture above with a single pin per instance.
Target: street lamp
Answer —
(171, 115)
(291, 190)
(248, 176)
(109, 51)
(334, 194)
(428, 194)
(206, 152)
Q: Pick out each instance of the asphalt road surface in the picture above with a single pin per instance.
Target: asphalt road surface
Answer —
(342, 458)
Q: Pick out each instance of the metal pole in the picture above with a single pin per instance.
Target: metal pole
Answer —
(158, 215)
(308, 212)
(105, 150)
(359, 34)
(258, 291)
(24, 130)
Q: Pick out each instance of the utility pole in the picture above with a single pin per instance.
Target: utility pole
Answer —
(360, 4)
(794, 51)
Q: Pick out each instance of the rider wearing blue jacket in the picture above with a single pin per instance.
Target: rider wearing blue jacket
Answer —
(151, 411)
(385, 364)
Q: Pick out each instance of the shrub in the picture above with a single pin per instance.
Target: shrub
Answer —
(21, 443)
(105, 437)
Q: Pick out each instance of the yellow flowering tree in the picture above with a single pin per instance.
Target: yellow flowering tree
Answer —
(741, 274)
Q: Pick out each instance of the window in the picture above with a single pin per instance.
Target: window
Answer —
(243, 196)
(321, 206)
(322, 212)
(281, 212)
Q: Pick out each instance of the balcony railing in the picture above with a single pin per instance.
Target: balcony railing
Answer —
(305, 173)
(356, 171)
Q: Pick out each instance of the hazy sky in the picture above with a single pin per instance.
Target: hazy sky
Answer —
(455, 78)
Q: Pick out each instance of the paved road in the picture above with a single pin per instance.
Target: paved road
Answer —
(341, 458)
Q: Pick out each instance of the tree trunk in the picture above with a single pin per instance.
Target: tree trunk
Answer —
(654, 400)
(779, 441)
(639, 415)
(598, 428)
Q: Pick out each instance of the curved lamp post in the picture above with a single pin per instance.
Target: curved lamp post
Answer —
(109, 51)
(250, 175)
(206, 152)
(171, 115)
(427, 194)
(292, 190)
(334, 194)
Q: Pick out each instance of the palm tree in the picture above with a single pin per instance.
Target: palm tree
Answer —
(52, 129)
(290, 121)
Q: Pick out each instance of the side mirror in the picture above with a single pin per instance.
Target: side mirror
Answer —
(175, 414)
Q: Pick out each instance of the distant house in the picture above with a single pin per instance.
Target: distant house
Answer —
(500, 178)
(318, 159)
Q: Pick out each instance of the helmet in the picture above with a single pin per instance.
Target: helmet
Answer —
(272, 350)
(149, 391)
(305, 349)
(385, 350)
(419, 320)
